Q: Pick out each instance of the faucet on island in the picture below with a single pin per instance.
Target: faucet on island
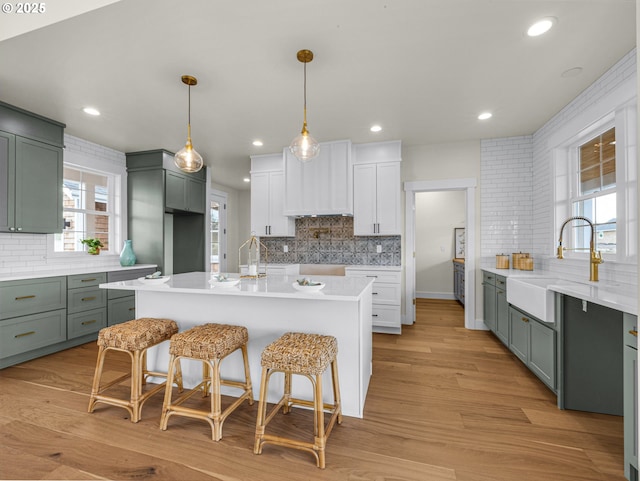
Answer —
(595, 258)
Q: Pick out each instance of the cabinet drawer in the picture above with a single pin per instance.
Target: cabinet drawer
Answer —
(121, 310)
(501, 282)
(32, 332)
(379, 276)
(18, 298)
(86, 280)
(386, 293)
(488, 278)
(386, 316)
(630, 333)
(85, 298)
(86, 322)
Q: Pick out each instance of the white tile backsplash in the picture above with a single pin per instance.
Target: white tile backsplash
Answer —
(517, 189)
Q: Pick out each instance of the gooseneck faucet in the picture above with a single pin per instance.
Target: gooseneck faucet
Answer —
(595, 258)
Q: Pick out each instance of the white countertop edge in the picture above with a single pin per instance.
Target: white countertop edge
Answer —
(373, 268)
(197, 283)
(70, 271)
(625, 294)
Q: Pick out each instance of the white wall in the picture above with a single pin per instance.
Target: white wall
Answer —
(437, 214)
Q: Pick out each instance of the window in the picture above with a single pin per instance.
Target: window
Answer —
(89, 207)
(594, 193)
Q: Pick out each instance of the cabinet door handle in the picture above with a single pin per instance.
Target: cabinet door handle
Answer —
(374, 293)
(374, 315)
(375, 277)
(24, 334)
(12, 229)
(86, 323)
(132, 308)
(525, 319)
(21, 298)
(88, 280)
(500, 292)
(633, 333)
(19, 229)
(266, 229)
(90, 298)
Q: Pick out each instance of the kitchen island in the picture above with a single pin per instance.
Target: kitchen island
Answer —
(268, 307)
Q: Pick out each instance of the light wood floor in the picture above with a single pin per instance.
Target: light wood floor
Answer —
(444, 403)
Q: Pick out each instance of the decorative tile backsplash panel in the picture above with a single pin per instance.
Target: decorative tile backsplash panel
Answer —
(330, 240)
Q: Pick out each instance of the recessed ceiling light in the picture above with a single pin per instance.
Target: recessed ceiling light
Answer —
(246, 179)
(375, 128)
(91, 111)
(541, 26)
(485, 116)
(258, 143)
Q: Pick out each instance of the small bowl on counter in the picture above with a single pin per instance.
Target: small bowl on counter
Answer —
(307, 285)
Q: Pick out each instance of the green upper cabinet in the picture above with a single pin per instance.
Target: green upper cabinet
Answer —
(184, 193)
(30, 172)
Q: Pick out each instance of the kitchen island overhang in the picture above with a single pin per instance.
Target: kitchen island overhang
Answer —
(268, 307)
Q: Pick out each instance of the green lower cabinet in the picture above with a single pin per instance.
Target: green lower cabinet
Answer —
(27, 333)
(122, 309)
(489, 307)
(86, 322)
(502, 315)
(630, 400)
(534, 343)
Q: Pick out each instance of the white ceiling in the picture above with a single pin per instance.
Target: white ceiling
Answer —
(423, 69)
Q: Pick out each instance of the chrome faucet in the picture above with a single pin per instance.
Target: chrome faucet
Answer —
(595, 258)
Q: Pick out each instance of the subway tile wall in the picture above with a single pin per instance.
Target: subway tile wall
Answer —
(330, 240)
(506, 173)
(28, 252)
(505, 161)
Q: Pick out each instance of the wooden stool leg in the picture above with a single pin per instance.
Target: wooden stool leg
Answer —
(320, 440)
(262, 411)
(247, 375)
(164, 419)
(336, 389)
(287, 393)
(216, 402)
(97, 376)
(136, 384)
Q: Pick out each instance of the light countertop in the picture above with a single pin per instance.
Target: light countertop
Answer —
(618, 296)
(276, 286)
(70, 271)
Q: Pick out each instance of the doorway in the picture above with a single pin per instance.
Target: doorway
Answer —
(468, 186)
(218, 232)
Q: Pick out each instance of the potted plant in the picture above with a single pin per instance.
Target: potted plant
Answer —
(93, 245)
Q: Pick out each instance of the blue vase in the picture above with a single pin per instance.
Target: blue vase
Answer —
(127, 257)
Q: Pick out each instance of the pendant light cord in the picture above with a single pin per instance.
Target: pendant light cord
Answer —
(305, 95)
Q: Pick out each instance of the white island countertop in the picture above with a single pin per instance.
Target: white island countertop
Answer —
(268, 307)
(276, 286)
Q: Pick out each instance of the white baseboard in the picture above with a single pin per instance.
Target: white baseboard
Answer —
(435, 295)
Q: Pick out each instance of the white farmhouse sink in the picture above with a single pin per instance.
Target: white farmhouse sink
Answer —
(532, 295)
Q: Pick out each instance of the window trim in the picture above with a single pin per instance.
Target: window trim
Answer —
(117, 178)
(565, 159)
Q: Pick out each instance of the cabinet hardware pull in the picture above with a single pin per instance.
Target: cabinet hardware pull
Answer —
(525, 319)
(634, 333)
(88, 280)
(25, 297)
(500, 292)
(132, 308)
(374, 315)
(24, 334)
(86, 323)
(374, 293)
(372, 276)
(90, 298)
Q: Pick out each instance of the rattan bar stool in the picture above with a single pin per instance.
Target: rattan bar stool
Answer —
(308, 355)
(209, 343)
(133, 337)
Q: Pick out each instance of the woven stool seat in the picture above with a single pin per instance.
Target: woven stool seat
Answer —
(134, 338)
(208, 341)
(137, 334)
(300, 353)
(308, 355)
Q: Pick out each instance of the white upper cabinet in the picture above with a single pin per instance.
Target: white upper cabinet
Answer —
(321, 186)
(267, 198)
(377, 189)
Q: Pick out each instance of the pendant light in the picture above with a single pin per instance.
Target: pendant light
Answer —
(187, 159)
(305, 147)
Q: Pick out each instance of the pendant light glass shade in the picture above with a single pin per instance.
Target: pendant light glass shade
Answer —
(187, 159)
(304, 147)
